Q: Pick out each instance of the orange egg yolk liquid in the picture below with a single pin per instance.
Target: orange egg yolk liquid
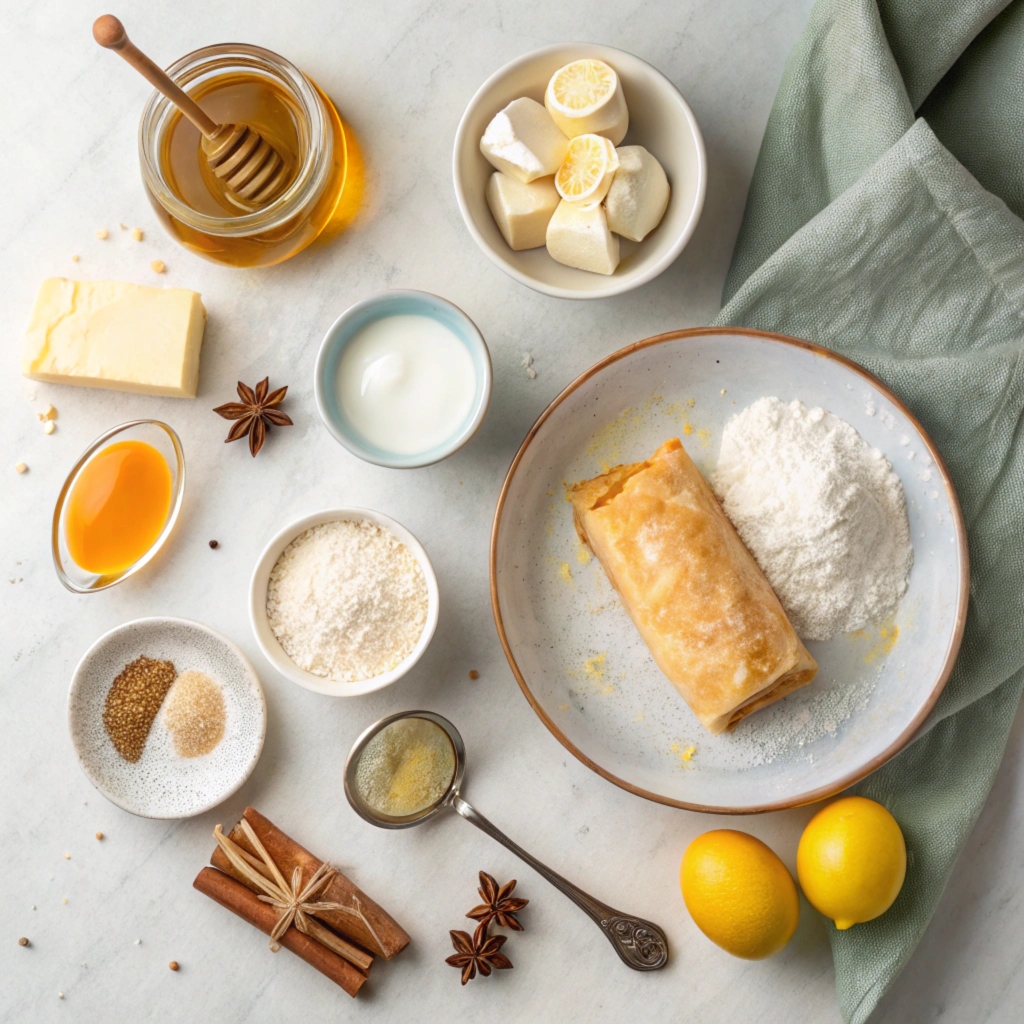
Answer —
(117, 507)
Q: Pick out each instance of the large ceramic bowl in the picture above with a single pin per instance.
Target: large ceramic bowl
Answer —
(659, 119)
(269, 644)
(578, 657)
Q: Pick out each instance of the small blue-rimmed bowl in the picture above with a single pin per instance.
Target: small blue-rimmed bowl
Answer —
(377, 307)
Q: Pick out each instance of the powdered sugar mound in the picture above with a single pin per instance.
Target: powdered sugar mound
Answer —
(347, 600)
(821, 511)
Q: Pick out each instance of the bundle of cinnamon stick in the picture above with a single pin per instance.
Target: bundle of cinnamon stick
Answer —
(356, 932)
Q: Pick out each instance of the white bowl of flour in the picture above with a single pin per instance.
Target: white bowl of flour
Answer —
(343, 601)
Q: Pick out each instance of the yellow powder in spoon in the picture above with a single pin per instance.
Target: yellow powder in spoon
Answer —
(195, 714)
(406, 768)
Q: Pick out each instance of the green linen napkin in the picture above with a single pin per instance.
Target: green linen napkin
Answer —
(899, 243)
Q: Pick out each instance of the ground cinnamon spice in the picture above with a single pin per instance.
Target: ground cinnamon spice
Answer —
(133, 702)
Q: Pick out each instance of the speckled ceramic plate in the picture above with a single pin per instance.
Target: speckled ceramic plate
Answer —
(579, 659)
(162, 784)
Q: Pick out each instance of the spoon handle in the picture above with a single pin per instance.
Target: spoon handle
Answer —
(110, 33)
(639, 943)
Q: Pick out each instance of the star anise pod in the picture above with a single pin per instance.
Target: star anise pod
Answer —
(499, 905)
(480, 953)
(254, 414)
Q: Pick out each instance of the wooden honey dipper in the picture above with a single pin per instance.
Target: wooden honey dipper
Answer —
(246, 163)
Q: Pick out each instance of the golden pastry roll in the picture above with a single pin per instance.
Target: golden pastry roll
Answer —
(701, 603)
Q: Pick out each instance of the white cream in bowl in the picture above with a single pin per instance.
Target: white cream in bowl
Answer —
(406, 383)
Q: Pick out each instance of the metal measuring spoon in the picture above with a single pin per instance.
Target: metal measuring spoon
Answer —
(639, 943)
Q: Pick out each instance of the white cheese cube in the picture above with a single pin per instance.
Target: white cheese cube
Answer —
(639, 194)
(579, 236)
(521, 211)
(107, 334)
(524, 142)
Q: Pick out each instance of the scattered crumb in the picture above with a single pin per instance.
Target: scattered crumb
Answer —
(473, 674)
(531, 373)
(173, 965)
(75, 259)
(49, 426)
(23, 941)
(123, 227)
(99, 835)
(21, 467)
(158, 266)
(214, 544)
(60, 995)
(138, 942)
(527, 360)
(64, 900)
(685, 755)
(137, 234)
(67, 856)
(563, 706)
(49, 413)
(102, 233)
(722, 392)
(687, 429)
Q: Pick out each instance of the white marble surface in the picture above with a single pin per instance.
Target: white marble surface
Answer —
(401, 72)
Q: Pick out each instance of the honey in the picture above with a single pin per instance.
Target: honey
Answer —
(244, 85)
(235, 98)
(117, 507)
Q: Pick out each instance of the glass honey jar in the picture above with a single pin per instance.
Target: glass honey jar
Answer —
(237, 83)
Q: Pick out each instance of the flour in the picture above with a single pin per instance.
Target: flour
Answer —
(347, 600)
(820, 510)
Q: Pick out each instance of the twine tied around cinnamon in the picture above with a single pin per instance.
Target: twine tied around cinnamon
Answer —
(295, 902)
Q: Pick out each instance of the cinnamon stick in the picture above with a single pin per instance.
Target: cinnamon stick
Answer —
(243, 902)
(379, 932)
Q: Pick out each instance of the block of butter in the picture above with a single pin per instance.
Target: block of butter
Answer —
(108, 334)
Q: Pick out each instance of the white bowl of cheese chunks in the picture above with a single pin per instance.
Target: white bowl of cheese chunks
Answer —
(580, 170)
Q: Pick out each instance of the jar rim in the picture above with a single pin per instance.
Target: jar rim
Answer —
(304, 189)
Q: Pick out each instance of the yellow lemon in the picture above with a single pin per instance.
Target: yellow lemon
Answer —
(587, 170)
(585, 97)
(739, 893)
(852, 860)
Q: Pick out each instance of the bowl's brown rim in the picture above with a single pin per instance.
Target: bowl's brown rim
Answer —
(814, 795)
